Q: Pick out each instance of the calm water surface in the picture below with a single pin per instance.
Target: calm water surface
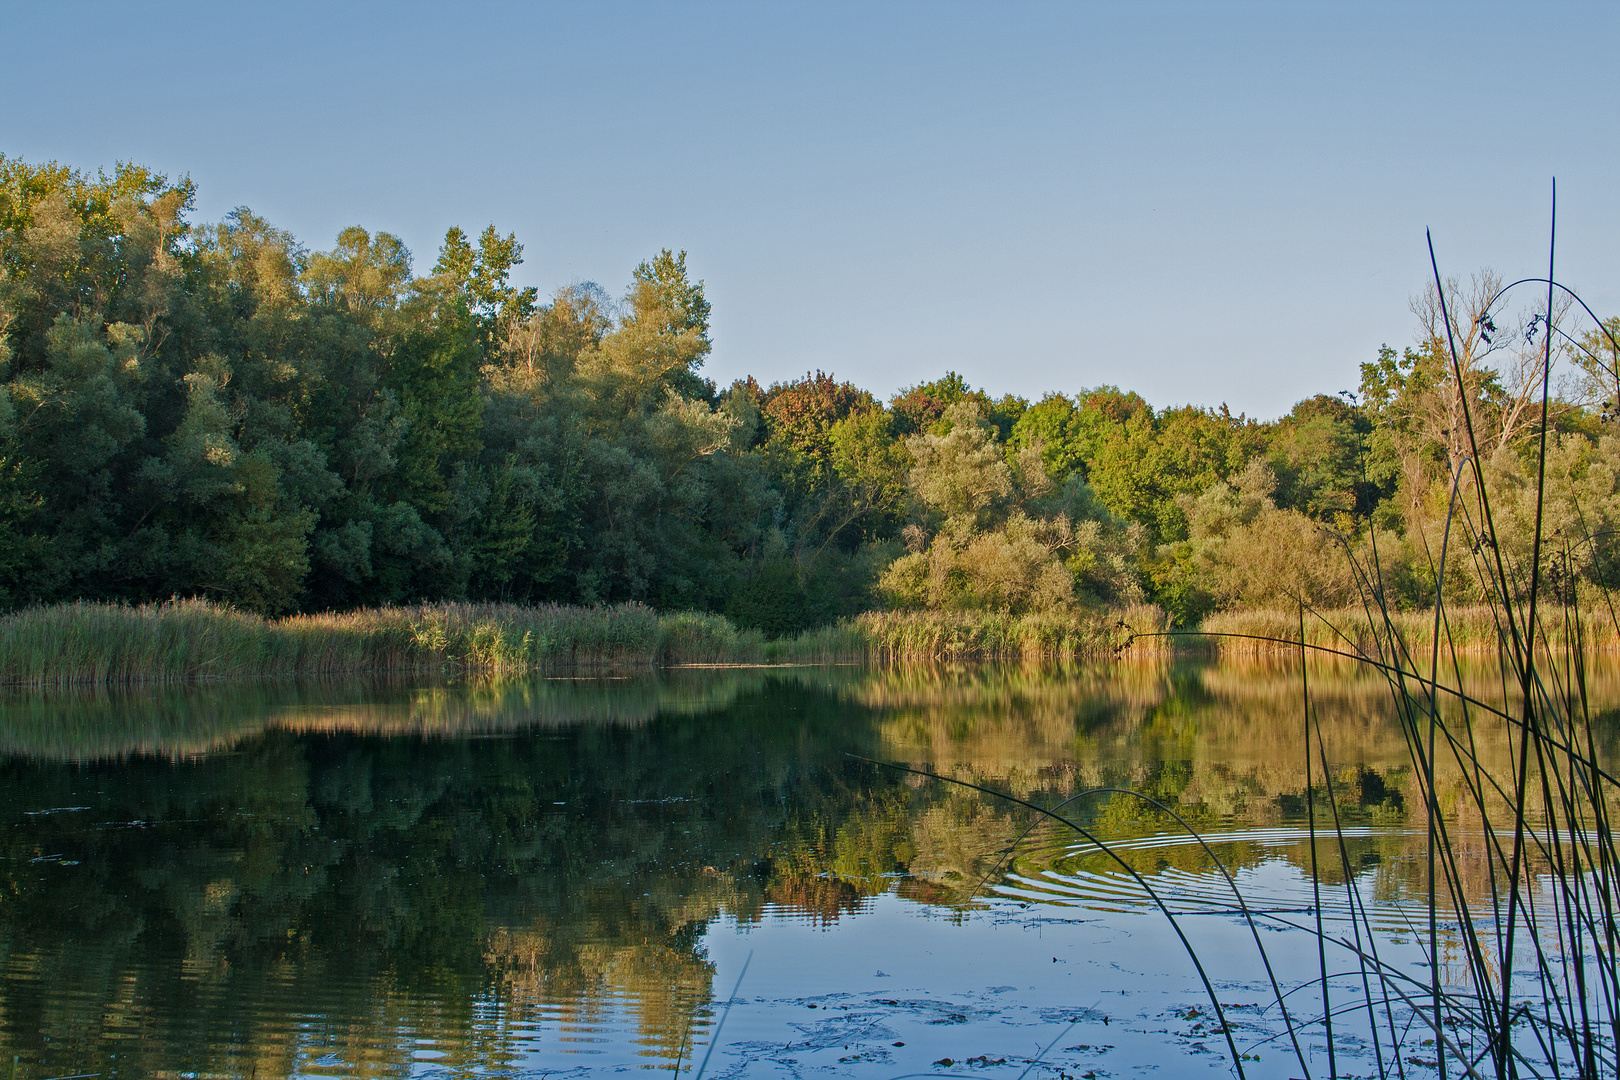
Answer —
(574, 877)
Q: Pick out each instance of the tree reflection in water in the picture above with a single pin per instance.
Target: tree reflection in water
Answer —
(350, 879)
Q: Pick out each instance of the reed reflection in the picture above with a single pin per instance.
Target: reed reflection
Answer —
(232, 880)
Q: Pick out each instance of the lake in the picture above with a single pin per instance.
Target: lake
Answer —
(692, 869)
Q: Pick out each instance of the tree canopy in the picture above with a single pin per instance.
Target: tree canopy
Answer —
(213, 409)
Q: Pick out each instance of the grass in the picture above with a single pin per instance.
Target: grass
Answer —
(921, 636)
(189, 640)
(195, 640)
(1475, 630)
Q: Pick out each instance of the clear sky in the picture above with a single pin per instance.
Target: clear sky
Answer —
(1201, 202)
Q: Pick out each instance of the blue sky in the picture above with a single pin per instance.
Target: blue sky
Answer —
(1200, 202)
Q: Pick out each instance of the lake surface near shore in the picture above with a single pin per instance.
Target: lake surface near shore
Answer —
(691, 869)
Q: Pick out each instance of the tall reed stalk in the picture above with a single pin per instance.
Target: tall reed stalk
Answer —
(1520, 921)
(1538, 993)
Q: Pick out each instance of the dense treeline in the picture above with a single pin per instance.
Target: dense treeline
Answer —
(213, 410)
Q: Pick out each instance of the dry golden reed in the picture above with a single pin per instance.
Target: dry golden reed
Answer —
(1472, 629)
(194, 640)
(185, 640)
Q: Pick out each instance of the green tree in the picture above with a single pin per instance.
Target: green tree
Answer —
(1316, 452)
(1144, 463)
(921, 408)
(998, 536)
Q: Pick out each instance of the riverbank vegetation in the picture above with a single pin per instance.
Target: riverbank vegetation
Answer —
(183, 640)
(222, 454)
(1473, 629)
(215, 411)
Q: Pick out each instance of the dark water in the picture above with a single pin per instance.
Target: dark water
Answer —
(569, 876)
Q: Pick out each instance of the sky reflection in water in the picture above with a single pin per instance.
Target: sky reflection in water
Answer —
(567, 876)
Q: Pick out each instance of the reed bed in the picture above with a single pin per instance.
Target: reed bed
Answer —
(843, 642)
(917, 636)
(194, 640)
(690, 637)
(197, 640)
(1474, 629)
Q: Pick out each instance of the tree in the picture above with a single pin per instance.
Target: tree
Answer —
(1144, 463)
(1316, 453)
(660, 343)
(1244, 550)
(798, 418)
(1423, 403)
(962, 474)
(481, 277)
(1053, 426)
(1002, 537)
(921, 408)
(364, 275)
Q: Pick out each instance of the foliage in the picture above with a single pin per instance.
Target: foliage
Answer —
(922, 408)
(1245, 551)
(996, 535)
(215, 411)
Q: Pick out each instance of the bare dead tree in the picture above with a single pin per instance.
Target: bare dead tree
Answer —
(1499, 358)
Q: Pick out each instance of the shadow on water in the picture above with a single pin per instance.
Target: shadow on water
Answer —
(376, 879)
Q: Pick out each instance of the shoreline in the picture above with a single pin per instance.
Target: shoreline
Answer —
(199, 642)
